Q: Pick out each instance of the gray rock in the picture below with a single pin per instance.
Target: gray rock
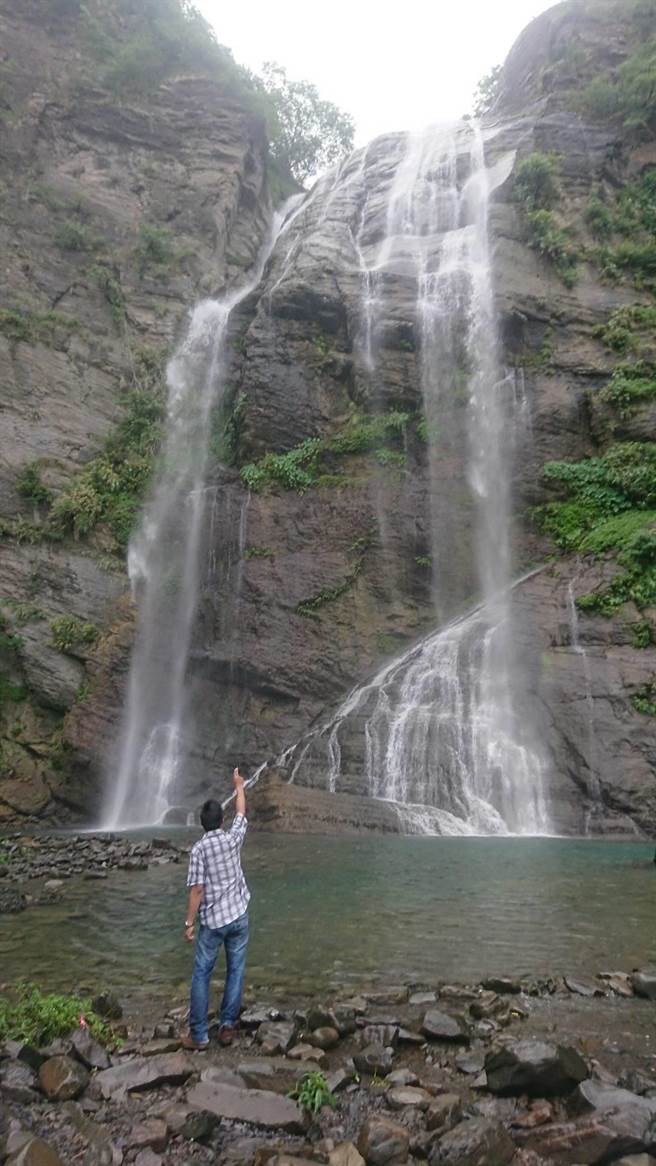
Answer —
(62, 1078)
(407, 1096)
(534, 1067)
(140, 1073)
(319, 1018)
(340, 1079)
(417, 998)
(486, 1005)
(583, 987)
(18, 1082)
(444, 1112)
(88, 1050)
(373, 1059)
(383, 1142)
(345, 1155)
(259, 1014)
(592, 1095)
(644, 983)
(278, 1036)
(504, 985)
(18, 1050)
(475, 1142)
(438, 1025)
(402, 1077)
(255, 1106)
(471, 1062)
(379, 1034)
(343, 1019)
(35, 1152)
(324, 1038)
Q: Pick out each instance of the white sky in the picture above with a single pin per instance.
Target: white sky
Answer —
(392, 66)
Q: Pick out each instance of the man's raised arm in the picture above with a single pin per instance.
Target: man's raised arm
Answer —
(240, 800)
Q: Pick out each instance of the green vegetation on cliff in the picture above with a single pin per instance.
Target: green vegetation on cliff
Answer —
(536, 190)
(311, 462)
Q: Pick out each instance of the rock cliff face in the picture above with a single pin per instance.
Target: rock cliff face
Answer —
(115, 216)
(311, 584)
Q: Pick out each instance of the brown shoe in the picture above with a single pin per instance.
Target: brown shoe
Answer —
(188, 1042)
(226, 1035)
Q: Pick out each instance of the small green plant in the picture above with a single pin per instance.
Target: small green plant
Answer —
(24, 613)
(38, 1018)
(30, 486)
(73, 236)
(622, 332)
(70, 633)
(535, 183)
(642, 634)
(378, 1082)
(312, 1093)
(50, 328)
(644, 701)
(553, 243)
(109, 282)
(155, 247)
(423, 560)
(258, 553)
(390, 457)
(629, 386)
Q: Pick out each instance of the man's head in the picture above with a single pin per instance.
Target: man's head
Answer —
(211, 814)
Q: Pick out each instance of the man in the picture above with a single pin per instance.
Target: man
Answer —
(217, 886)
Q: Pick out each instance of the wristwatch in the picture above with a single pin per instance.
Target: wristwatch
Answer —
(188, 924)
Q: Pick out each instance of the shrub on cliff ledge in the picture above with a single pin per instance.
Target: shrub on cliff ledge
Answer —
(535, 185)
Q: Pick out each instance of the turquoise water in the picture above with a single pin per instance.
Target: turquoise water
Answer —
(331, 912)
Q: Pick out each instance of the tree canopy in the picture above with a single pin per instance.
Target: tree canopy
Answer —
(307, 133)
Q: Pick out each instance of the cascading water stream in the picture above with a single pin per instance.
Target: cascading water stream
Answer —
(594, 791)
(439, 731)
(164, 564)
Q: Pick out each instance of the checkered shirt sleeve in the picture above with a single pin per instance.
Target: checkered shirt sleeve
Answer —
(196, 874)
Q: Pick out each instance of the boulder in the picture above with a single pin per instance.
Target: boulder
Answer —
(259, 1014)
(401, 1077)
(383, 1142)
(407, 1096)
(505, 985)
(345, 1154)
(324, 1038)
(444, 1112)
(600, 1137)
(644, 983)
(593, 1095)
(255, 1106)
(277, 1036)
(581, 986)
(62, 1078)
(379, 1034)
(340, 1079)
(486, 1005)
(475, 1142)
(195, 1125)
(618, 982)
(305, 1052)
(471, 1062)
(88, 1050)
(18, 1050)
(153, 1133)
(438, 1025)
(139, 1073)
(373, 1059)
(35, 1152)
(534, 1067)
(18, 1082)
(343, 1019)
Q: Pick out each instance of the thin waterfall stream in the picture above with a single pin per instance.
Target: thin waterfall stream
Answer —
(164, 565)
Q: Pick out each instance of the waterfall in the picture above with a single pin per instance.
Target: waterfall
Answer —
(594, 790)
(164, 565)
(440, 731)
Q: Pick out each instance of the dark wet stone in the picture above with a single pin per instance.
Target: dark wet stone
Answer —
(62, 1078)
(18, 1082)
(438, 1025)
(107, 1004)
(644, 983)
(139, 1073)
(475, 1142)
(534, 1067)
(583, 987)
(255, 1106)
(88, 1050)
(444, 1112)
(383, 1142)
(505, 985)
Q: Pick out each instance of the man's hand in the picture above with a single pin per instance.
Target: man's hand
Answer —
(240, 800)
(189, 933)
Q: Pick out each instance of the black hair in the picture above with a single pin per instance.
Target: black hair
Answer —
(211, 814)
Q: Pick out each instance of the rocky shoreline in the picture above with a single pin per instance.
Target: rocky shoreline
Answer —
(528, 1073)
(41, 864)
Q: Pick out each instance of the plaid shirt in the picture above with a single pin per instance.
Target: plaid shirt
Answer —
(215, 862)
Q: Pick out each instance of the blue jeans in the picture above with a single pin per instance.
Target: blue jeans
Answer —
(208, 943)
